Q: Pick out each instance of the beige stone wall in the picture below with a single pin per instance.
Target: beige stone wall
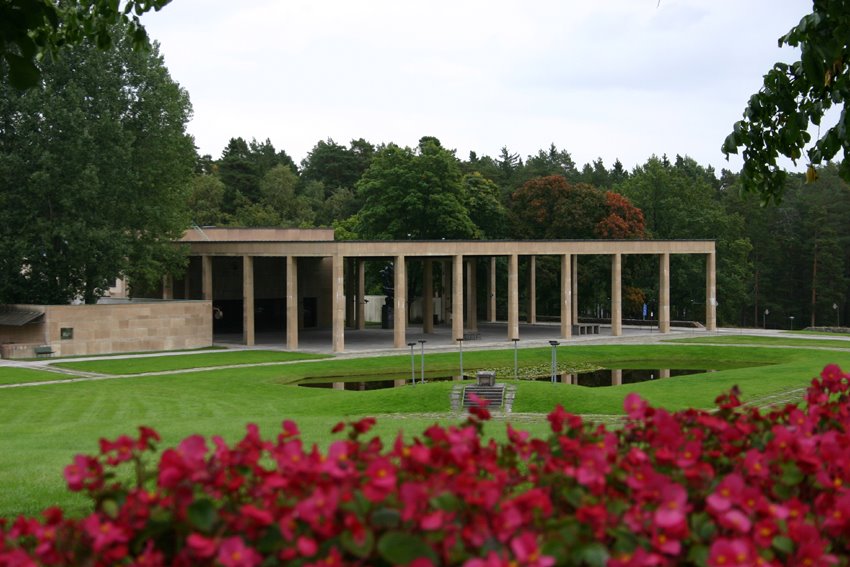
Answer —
(121, 327)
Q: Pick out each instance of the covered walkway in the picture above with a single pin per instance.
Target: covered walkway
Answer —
(304, 288)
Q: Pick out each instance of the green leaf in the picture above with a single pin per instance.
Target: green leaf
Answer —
(23, 73)
(362, 549)
(202, 515)
(783, 544)
(386, 518)
(446, 501)
(791, 474)
(270, 541)
(698, 555)
(556, 549)
(109, 507)
(703, 526)
(729, 145)
(594, 554)
(400, 548)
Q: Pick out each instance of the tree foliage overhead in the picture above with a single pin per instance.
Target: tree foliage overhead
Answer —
(336, 166)
(94, 165)
(31, 29)
(414, 194)
(777, 118)
(551, 207)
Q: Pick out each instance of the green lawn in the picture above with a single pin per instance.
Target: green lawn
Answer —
(184, 361)
(12, 375)
(45, 426)
(767, 341)
(822, 333)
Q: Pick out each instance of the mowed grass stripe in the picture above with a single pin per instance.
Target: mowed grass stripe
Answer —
(14, 375)
(205, 359)
(766, 341)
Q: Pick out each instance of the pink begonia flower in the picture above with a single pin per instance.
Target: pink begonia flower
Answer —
(306, 546)
(122, 447)
(726, 494)
(432, 521)
(492, 560)
(734, 519)
(202, 546)
(84, 472)
(673, 508)
(382, 479)
(665, 544)
(635, 406)
(526, 551)
(731, 553)
(234, 553)
(104, 534)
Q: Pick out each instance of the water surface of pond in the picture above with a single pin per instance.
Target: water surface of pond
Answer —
(593, 379)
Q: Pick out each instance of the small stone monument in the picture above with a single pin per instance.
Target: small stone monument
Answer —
(486, 377)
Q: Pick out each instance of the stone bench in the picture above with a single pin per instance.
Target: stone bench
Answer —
(43, 350)
(585, 329)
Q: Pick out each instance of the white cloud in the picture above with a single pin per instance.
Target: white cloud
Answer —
(614, 78)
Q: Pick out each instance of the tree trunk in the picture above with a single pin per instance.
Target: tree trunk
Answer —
(814, 283)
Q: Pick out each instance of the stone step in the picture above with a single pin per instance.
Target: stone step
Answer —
(493, 394)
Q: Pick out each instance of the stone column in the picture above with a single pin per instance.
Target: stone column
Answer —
(491, 292)
(471, 300)
(664, 293)
(248, 300)
(338, 304)
(361, 294)
(513, 297)
(566, 297)
(574, 299)
(617, 377)
(400, 304)
(428, 296)
(616, 295)
(167, 287)
(710, 293)
(664, 373)
(349, 292)
(532, 290)
(206, 278)
(457, 297)
(292, 303)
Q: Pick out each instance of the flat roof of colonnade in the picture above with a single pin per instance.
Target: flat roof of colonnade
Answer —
(445, 248)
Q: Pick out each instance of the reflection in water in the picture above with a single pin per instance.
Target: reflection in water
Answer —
(619, 376)
(594, 379)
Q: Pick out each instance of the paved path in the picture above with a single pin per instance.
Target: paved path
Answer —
(374, 345)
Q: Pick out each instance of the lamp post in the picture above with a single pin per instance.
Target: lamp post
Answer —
(554, 359)
(764, 318)
(835, 307)
(460, 346)
(412, 364)
(422, 360)
(792, 322)
(516, 367)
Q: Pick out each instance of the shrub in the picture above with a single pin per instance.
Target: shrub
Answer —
(734, 486)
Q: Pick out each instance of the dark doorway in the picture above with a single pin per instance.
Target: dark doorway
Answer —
(311, 312)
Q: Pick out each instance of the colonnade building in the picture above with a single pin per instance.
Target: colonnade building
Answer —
(291, 280)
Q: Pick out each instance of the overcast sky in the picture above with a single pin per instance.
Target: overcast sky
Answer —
(600, 78)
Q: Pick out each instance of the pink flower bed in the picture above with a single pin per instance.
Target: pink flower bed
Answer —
(729, 487)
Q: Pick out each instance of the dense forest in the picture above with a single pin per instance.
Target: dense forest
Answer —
(779, 266)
